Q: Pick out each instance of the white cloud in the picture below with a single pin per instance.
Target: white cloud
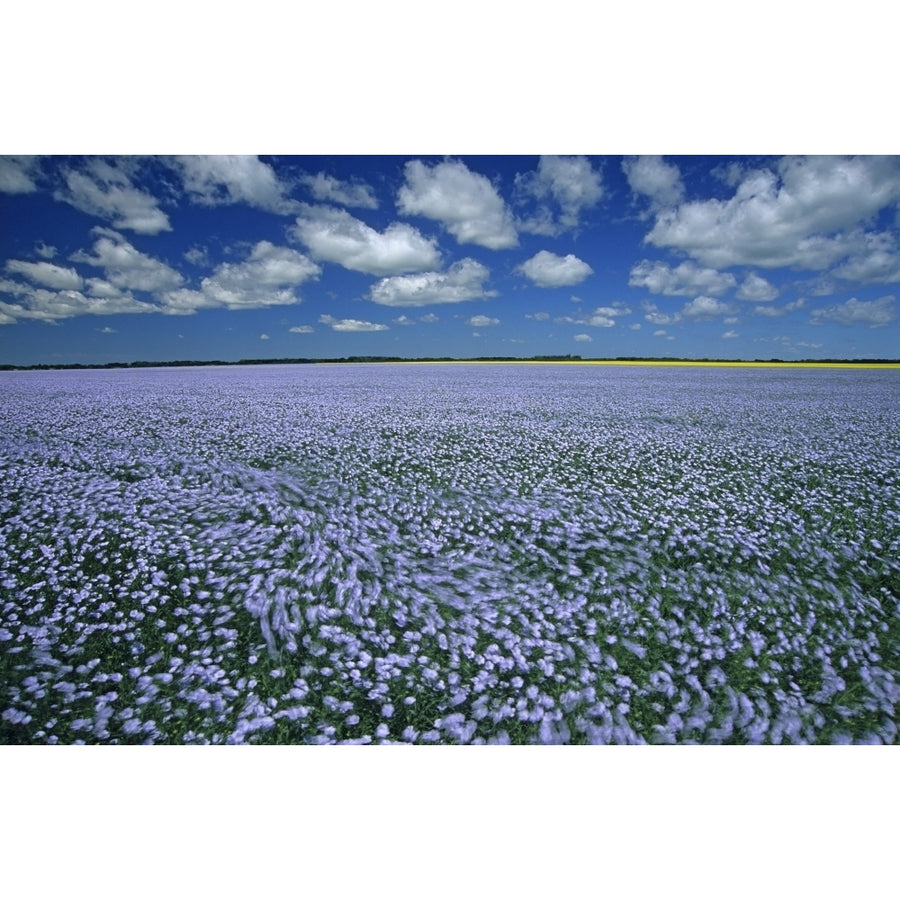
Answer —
(705, 308)
(757, 289)
(464, 202)
(877, 262)
(328, 189)
(46, 251)
(404, 320)
(350, 324)
(267, 278)
(47, 274)
(583, 337)
(654, 178)
(655, 317)
(802, 215)
(16, 174)
(874, 313)
(482, 321)
(106, 191)
(566, 183)
(464, 280)
(776, 311)
(684, 280)
(197, 256)
(126, 267)
(49, 306)
(301, 329)
(538, 316)
(107, 330)
(546, 269)
(601, 317)
(333, 235)
(429, 318)
(264, 337)
(605, 316)
(217, 180)
(660, 332)
(730, 334)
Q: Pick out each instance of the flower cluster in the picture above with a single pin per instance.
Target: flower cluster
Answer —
(449, 554)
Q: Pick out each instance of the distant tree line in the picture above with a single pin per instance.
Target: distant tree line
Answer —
(146, 364)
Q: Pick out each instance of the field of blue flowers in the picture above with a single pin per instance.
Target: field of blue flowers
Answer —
(450, 554)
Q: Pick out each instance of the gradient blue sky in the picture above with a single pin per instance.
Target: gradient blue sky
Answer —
(218, 257)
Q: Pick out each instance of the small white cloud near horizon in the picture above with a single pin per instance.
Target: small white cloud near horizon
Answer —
(583, 338)
(350, 324)
(482, 321)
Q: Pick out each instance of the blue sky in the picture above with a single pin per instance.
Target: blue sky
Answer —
(122, 258)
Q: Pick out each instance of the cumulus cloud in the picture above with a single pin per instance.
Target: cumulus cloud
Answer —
(333, 235)
(538, 316)
(328, 189)
(564, 186)
(264, 337)
(654, 316)
(429, 318)
(804, 214)
(685, 279)
(654, 178)
(776, 311)
(874, 313)
(301, 329)
(350, 324)
(106, 191)
(757, 289)
(546, 269)
(47, 274)
(266, 278)
(126, 267)
(730, 334)
(705, 308)
(17, 174)
(49, 306)
(464, 202)
(601, 317)
(482, 321)
(464, 280)
(876, 262)
(218, 180)
(583, 337)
